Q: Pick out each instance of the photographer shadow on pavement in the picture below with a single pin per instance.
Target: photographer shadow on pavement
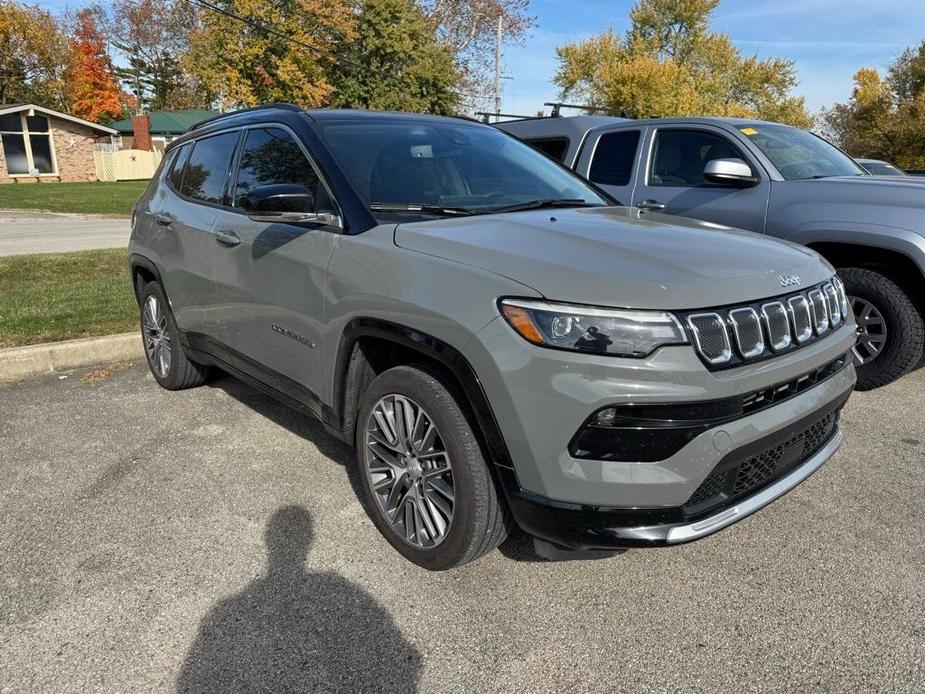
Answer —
(297, 630)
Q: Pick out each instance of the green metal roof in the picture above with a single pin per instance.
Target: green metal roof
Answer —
(167, 122)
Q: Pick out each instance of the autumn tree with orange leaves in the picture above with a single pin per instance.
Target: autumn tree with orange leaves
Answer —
(96, 93)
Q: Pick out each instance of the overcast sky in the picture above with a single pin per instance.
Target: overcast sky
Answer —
(827, 39)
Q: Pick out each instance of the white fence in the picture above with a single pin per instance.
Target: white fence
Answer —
(124, 164)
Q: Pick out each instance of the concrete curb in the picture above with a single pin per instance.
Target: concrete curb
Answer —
(32, 360)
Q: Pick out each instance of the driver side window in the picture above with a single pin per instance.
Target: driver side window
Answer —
(272, 157)
(679, 156)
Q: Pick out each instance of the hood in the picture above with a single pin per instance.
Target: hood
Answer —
(619, 256)
(896, 202)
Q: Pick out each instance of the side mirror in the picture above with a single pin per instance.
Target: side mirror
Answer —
(734, 172)
(287, 203)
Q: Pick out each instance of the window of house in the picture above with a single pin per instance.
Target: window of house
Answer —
(614, 157)
(27, 144)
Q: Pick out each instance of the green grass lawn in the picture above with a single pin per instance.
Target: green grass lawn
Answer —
(62, 296)
(93, 198)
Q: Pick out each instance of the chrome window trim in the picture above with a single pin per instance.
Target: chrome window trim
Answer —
(759, 348)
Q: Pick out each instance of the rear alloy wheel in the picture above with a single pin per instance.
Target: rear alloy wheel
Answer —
(168, 362)
(890, 327)
(427, 485)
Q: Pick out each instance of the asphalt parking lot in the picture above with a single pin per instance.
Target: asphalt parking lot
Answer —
(210, 541)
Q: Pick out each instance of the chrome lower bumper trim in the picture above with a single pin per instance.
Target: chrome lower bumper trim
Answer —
(706, 526)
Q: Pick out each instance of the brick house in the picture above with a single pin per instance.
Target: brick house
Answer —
(39, 144)
(162, 127)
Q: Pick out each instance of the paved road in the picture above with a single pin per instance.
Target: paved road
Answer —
(210, 540)
(47, 232)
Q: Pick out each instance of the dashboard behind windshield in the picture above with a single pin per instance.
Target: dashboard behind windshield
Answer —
(797, 154)
(461, 167)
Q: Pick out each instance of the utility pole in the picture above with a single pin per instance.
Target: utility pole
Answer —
(498, 70)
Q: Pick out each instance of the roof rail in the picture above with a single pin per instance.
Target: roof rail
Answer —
(557, 107)
(485, 115)
(265, 107)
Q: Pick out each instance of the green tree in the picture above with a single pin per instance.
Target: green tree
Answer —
(395, 63)
(285, 53)
(36, 57)
(669, 63)
(152, 35)
(884, 118)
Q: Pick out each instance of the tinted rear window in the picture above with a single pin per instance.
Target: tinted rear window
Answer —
(555, 147)
(614, 157)
(207, 169)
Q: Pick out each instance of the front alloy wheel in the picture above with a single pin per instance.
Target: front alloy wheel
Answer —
(409, 471)
(427, 484)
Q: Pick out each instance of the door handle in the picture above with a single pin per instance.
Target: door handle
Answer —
(227, 238)
(650, 205)
(165, 220)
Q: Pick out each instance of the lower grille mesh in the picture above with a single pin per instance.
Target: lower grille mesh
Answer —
(728, 483)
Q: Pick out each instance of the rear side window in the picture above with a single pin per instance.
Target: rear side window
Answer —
(207, 169)
(555, 147)
(175, 172)
(272, 156)
(681, 155)
(614, 157)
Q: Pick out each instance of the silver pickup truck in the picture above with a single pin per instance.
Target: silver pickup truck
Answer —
(777, 180)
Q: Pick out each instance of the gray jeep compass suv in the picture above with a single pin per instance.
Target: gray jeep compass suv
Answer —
(500, 342)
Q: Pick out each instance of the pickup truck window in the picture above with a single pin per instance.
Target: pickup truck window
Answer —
(681, 155)
(555, 147)
(798, 154)
(613, 158)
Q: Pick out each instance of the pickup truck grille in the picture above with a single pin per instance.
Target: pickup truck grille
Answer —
(732, 336)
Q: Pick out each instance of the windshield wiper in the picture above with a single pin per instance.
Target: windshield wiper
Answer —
(418, 207)
(537, 204)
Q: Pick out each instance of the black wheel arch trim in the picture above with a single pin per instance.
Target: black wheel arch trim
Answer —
(139, 261)
(429, 346)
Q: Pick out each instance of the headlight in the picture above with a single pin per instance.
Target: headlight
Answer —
(618, 332)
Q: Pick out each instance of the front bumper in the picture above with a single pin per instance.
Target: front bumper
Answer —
(584, 527)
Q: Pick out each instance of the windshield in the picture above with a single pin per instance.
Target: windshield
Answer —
(419, 170)
(797, 154)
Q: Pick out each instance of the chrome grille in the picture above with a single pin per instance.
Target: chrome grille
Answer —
(802, 322)
(820, 312)
(842, 297)
(831, 299)
(777, 323)
(747, 330)
(711, 337)
(731, 336)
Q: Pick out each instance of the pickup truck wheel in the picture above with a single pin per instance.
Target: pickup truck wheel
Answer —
(890, 328)
(426, 482)
(168, 362)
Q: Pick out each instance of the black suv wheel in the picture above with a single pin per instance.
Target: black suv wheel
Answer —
(426, 482)
(168, 362)
(890, 328)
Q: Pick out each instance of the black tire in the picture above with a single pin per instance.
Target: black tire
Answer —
(480, 516)
(905, 331)
(182, 372)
